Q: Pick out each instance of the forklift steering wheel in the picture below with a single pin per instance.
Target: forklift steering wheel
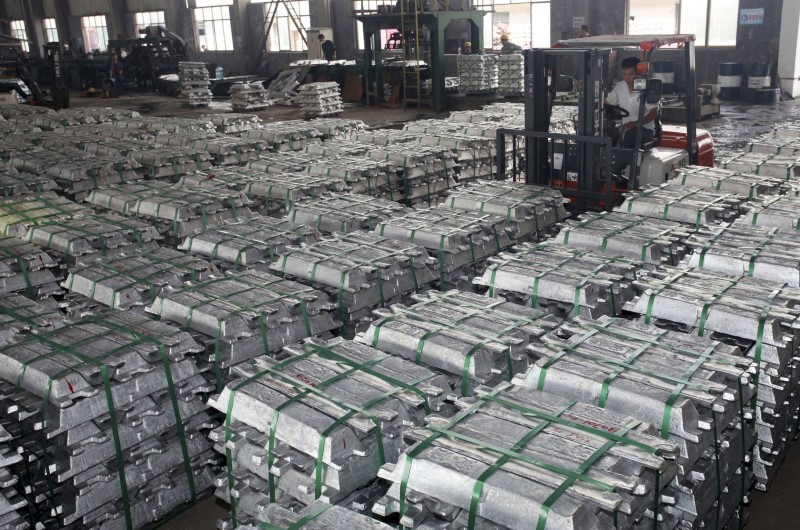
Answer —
(615, 112)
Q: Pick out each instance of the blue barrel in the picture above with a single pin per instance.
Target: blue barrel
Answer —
(665, 71)
(730, 81)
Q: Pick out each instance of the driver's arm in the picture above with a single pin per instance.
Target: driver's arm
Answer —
(651, 115)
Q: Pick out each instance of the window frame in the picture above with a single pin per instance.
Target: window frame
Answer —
(288, 27)
(85, 26)
(48, 31)
(224, 23)
(20, 31)
(710, 13)
(488, 23)
(158, 20)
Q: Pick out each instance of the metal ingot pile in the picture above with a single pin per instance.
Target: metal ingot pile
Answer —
(651, 242)
(160, 125)
(286, 135)
(362, 175)
(233, 123)
(761, 317)
(20, 315)
(193, 90)
(778, 166)
(171, 162)
(470, 340)
(225, 150)
(360, 271)
(567, 282)
(93, 236)
(28, 270)
(461, 241)
(475, 155)
(530, 211)
(134, 280)
(250, 244)
(344, 212)
(773, 212)
(14, 183)
(692, 206)
(383, 137)
(318, 425)
(513, 458)
(316, 516)
(116, 401)
(244, 315)
(12, 505)
(319, 99)
(747, 185)
(175, 212)
(281, 162)
(248, 96)
(695, 392)
(427, 172)
(338, 147)
(108, 147)
(511, 74)
(477, 74)
(333, 128)
(772, 145)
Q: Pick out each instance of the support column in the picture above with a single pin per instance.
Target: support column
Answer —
(789, 49)
(437, 67)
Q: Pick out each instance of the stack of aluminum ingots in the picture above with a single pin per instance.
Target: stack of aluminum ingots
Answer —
(695, 392)
(530, 211)
(362, 175)
(566, 281)
(194, 83)
(225, 150)
(14, 183)
(250, 96)
(434, 126)
(18, 214)
(158, 125)
(779, 166)
(474, 155)
(471, 340)
(244, 315)
(319, 99)
(338, 147)
(20, 315)
(651, 242)
(171, 162)
(746, 185)
(461, 241)
(782, 212)
(477, 74)
(133, 280)
(28, 270)
(361, 271)
(511, 74)
(770, 144)
(451, 85)
(286, 135)
(91, 237)
(383, 137)
(759, 316)
(116, 400)
(104, 114)
(344, 212)
(427, 172)
(281, 162)
(513, 458)
(13, 111)
(316, 516)
(114, 148)
(693, 206)
(12, 505)
(270, 194)
(233, 123)
(175, 212)
(251, 244)
(334, 128)
(282, 419)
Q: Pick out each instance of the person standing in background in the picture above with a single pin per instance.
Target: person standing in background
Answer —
(328, 48)
(467, 48)
(508, 47)
(584, 32)
(115, 74)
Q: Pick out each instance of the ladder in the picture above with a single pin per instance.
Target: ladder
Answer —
(412, 81)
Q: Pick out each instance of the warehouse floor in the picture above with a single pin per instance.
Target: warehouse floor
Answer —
(731, 131)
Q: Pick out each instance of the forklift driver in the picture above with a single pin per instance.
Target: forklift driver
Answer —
(626, 99)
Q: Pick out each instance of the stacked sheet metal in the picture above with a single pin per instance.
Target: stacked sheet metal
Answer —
(244, 315)
(250, 244)
(233, 123)
(17, 215)
(461, 241)
(530, 211)
(651, 242)
(319, 99)
(171, 162)
(361, 271)
(565, 281)
(747, 185)
(511, 74)
(477, 74)
(696, 392)
(759, 316)
(692, 206)
(175, 212)
(286, 135)
(194, 83)
(515, 458)
(250, 96)
(344, 212)
(778, 166)
(117, 401)
(319, 424)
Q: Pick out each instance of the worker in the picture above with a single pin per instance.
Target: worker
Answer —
(328, 48)
(623, 96)
(68, 54)
(115, 74)
(584, 32)
(467, 48)
(508, 47)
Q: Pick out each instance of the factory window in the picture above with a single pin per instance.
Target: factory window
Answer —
(367, 7)
(290, 18)
(50, 30)
(148, 18)
(526, 22)
(212, 26)
(712, 22)
(18, 32)
(95, 33)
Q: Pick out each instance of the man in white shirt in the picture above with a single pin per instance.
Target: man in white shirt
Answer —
(625, 97)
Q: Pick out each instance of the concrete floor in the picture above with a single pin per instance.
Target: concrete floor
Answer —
(736, 125)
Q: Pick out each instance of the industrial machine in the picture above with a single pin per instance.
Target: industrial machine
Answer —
(156, 53)
(591, 167)
(15, 75)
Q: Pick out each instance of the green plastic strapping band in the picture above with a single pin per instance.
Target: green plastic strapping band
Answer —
(301, 522)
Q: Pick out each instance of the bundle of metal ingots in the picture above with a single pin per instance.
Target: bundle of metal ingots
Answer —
(760, 317)
(248, 245)
(27, 269)
(361, 271)
(692, 206)
(565, 281)
(779, 212)
(530, 211)
(519, 458)
(286, 135)
(280, 162)
(333, 128)
(233, 123)
(344, 212)
(12, 505)
(20, 315)
(696, 393)
(461, 241)
(171, 163)
(15, 183)
(225, 150)
(175, 212)
(747, 185)
(362, 175)
(243, 315)
(316, 515)
(779, 166)
(106, 412)
(318, 425)
(775, 145)
(472, 341)
(474, 155)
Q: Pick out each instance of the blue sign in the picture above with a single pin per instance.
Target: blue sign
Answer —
(751, 17)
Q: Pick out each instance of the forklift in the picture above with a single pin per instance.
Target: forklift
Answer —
(591, 167)
(17, 75)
